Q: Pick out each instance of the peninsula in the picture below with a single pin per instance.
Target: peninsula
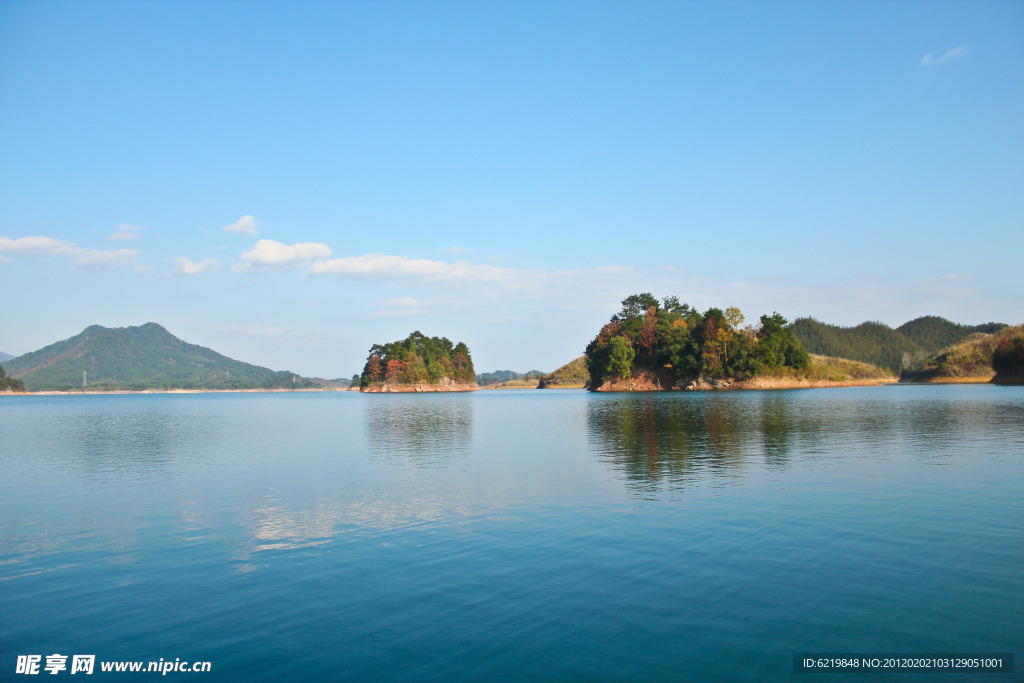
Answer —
(660, 346)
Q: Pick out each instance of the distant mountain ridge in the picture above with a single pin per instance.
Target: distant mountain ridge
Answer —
(137, 358)
(4, 357)
(902, 348)
(499, 376)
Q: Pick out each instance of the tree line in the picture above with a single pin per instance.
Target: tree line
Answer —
(418, 359)
(648, 335)
(903, 348)
(9, 383)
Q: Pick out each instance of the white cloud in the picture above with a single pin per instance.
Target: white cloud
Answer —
(931, 59)
(90, 259)
(269, 255)
(387, 266)
(126, 232)
(183, 266)
(246, 225)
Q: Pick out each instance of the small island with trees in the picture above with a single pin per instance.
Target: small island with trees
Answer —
(660, 346)
(418, 364)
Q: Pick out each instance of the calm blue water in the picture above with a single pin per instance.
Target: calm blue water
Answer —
(551, 535)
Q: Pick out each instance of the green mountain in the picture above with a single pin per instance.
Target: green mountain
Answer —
(500, 376)
(144, 357)
(935, 333)
(898, 349)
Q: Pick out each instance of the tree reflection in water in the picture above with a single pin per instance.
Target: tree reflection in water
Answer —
(670, 440)
(426, 431)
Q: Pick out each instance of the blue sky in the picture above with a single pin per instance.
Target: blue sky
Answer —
(291, 182)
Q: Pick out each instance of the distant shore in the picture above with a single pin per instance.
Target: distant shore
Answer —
(982, 379)
(80, 392)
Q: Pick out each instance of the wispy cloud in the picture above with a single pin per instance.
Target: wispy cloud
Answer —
(934, 59)
(401, 306)
(389, 267)
(90, 259)
(246, 225)
(269, 255)
(184, 266)
(126, 232)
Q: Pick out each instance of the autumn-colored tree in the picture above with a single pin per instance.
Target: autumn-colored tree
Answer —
(649, 334)
(418, 359)
(675, 336)
(373, 371)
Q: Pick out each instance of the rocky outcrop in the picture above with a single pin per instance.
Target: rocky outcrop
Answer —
(445, 385)
(702, 384)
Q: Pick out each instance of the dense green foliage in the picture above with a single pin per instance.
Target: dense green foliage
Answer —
(136, 358)
(903, 348)
(654, 336)
(501, 376)
(933, 333)
(9, 383)
(1008, 357)
(418, 359)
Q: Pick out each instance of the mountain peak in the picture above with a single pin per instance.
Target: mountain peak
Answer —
(143, 357)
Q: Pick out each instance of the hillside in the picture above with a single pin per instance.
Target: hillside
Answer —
(487, 379)
(572, 375)
(973, 359)
(4, 357)
(137, 358)
(899, 349)
(934, 333)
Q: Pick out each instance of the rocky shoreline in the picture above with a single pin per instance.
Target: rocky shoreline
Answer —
(423, 388)
(648, 383)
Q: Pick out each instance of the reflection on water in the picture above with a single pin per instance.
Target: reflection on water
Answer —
(290, 537)
(672, 440)
(423, 430)
(653, 441)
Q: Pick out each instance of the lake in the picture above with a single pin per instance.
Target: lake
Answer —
(511, 535)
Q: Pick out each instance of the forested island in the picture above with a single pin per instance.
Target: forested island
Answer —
(418, 363)
(650, 345)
